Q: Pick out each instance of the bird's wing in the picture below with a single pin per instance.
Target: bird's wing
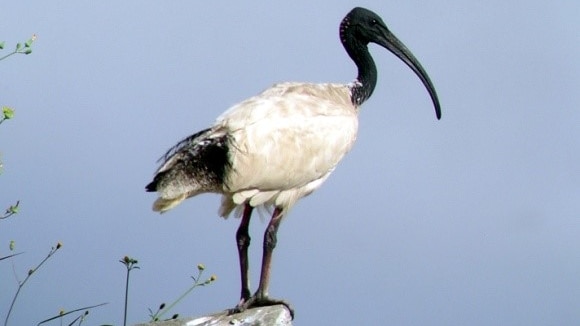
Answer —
(289, 136)
(168, 159)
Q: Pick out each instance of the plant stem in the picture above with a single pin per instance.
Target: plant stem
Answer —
(126, 297)
(21, 284)
(9, 54)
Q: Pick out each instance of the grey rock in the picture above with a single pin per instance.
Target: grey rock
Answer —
(262, 316)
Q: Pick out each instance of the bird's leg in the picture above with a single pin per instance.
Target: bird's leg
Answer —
(270, 240)
(243, 242)
(260, 298)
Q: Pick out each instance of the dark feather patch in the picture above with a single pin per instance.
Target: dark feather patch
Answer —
(201, 159)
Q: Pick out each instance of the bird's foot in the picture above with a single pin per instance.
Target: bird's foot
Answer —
(260, 301)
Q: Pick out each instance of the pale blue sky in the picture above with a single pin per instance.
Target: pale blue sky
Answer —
(471, 220)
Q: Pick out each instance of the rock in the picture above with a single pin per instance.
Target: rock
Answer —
(276, 315)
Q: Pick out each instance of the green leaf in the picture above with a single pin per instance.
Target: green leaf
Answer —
(28, 43)
(18, 46)
(12, 209)
(28, 51)
(1, 45)
(7, 112)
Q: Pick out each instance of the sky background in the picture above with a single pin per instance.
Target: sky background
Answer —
(470, 220)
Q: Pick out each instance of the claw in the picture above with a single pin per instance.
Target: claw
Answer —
(255, 301)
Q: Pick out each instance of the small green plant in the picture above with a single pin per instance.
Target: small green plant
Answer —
(130, 264)
(11, 210)
(163, 309)
(21, 48)
(7, 114)
(31, 272)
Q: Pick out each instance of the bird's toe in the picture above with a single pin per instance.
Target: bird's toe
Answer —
(260, 301)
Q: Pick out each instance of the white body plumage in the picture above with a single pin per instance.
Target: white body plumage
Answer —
(286, 142)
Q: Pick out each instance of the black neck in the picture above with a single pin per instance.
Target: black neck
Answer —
(367, 77)
(367, 71)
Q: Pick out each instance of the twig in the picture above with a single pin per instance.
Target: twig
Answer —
(16, 254)
(71, 312)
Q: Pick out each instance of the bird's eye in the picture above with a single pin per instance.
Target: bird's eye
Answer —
(374, 22)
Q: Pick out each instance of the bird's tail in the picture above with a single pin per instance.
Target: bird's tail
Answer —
(162, 205)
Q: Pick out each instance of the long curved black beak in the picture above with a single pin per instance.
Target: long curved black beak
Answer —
(392, 43)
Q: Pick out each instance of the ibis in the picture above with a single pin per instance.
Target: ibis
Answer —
(279, 146)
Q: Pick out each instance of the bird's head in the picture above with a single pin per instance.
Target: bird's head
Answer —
(362, 26)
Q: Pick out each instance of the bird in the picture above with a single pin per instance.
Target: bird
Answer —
(279, 146)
